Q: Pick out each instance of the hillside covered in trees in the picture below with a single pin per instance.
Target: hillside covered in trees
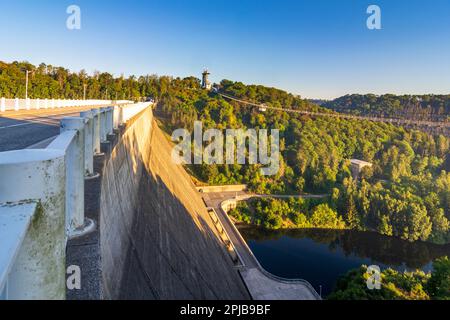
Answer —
(417, 107)
(406, 193)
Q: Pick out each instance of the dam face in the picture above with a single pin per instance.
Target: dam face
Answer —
(157, 240)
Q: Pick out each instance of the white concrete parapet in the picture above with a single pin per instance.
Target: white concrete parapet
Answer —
(71, 141)
(117, 116)
(88, 143)
(42, 200)
(96, 131)
(109, 120)
(129, 111)
(103, 125)
(36, 251)
(28, 104)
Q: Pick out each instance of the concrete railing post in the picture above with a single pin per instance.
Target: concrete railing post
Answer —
(2, 105)
(38, 103)
(75, 170)
(89, 144)
(28, 104)
(16, 104)
(39, 269)
(110, 120)
(117, 115)
(103, 124)
(96, 131)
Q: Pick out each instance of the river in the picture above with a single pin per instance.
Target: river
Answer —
(321, 256)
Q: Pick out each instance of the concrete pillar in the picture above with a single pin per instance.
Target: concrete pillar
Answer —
(2, 105)
(103, 124)
(75, 169)
(117, 116)
(109, 120)
(96, 131)
(89, 144)
(16, 104)
(39, 269)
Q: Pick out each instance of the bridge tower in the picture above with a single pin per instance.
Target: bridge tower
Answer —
(205, 82)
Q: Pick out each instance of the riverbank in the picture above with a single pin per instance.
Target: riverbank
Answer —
(297, 213)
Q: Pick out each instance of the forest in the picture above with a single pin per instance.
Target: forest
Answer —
(406, 193)
(418, 107)
(292, 213)
(52, 82)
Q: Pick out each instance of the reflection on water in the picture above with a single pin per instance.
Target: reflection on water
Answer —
(321, 256)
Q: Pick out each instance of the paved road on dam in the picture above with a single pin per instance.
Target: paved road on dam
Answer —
(24, 128)
(261, 284)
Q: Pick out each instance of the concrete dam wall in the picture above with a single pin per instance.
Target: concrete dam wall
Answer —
(157, 239)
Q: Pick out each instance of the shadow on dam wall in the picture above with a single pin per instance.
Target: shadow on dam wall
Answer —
(157, 240)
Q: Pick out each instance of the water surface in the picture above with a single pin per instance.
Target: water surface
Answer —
(321, 256)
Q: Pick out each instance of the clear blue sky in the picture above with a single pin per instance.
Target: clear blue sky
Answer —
(316, 48)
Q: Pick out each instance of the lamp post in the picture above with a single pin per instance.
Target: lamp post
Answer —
(84, 91)
(27, 72)
(26, 85)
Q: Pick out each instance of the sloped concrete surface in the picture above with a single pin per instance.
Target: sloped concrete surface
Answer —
(157, 240)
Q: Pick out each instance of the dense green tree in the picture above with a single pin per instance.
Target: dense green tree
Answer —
(439, 283)
(325, 217)
(396, 285)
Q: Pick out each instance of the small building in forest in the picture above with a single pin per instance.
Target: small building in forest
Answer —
(357, 166)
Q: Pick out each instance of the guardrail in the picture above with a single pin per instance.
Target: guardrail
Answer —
(42, 202)
(37, 104)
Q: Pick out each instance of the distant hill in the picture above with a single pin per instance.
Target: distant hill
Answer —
(320, 102)
(419, 107)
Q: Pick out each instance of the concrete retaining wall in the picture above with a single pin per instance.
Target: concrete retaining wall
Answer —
(157, 238)
(224, 188)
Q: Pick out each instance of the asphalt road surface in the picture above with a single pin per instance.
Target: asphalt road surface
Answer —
(25, 128)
